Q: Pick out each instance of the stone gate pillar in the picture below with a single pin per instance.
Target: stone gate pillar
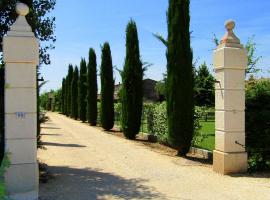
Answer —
(21, 56)
(230, 62)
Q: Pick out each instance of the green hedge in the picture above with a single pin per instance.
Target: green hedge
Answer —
(258, 124)
(157, 121)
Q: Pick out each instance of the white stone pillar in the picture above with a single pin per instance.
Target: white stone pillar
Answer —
(21, 56)
(230, 62)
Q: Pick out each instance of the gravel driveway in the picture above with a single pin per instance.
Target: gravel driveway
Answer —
(87, 164)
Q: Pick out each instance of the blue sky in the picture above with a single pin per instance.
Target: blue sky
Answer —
(90, 23)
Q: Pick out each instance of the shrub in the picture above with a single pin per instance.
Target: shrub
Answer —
(258, 124)
(158, 124)
(4, 165)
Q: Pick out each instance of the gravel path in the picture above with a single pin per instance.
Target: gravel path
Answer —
(90, 164)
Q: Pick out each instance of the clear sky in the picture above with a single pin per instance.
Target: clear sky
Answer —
(89, 23)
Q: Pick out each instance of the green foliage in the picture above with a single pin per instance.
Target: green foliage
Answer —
(51, 100)
(132, 89)
(74, 97)
(253, 60)
(44, 100)
(107, 88)
(39, 18)
(68, 90)
(57, 100)
(180, 106)
(161, 88)
(2, 113)
(83, 91)
(63, 97)
(258, 123)
(92, 89)
(157, 122)
(204, 87)
(4, 165)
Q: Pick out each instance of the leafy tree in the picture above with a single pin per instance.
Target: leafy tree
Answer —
(42, 23)
(63, 95)
(180, 102)
(74, 97)
(107, 88)
(204, 87)
(92, 89)
(161, 88)
(68, 89)
(83, 91)
(132, 89)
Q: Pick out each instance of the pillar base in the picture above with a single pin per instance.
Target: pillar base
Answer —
(25, 196)
(230, 163)
(22, 181)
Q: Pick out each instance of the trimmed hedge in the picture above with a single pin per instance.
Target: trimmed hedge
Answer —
(158, 125)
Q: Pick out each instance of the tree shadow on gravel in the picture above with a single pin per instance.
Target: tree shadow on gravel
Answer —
(265, 174)
(61, 145)
(86, 184)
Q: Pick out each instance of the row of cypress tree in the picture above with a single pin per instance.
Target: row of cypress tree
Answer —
(79, 89)
(179, 84)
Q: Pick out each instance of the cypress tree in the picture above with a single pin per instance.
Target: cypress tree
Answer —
(132, 91)
(63, 97)
(107, 88)
(66, 95)
(68, 89)
(180, 102)
(74, 97)
(83, 90)
(92, 89)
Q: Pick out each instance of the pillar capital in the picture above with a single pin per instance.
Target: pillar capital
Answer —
(21, 26)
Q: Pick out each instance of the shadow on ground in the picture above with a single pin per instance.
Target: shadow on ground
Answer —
(46, 134)
(52, 128)
(87, 184)
(265, 174)
(61, 145)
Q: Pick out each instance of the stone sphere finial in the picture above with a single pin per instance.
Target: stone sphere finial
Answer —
(230, 25)
(22, 9)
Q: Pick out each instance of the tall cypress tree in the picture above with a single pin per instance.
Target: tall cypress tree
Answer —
(63, 95)
(132, 91)
(107, 88)
(92, 88)
(74, 97)
(180, 102)
(68, 89)
(83, 90)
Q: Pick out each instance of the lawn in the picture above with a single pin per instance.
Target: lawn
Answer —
(206, 138)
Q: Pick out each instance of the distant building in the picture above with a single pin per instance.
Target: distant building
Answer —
(149, 91)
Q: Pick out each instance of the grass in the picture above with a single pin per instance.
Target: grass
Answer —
(206, 138)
